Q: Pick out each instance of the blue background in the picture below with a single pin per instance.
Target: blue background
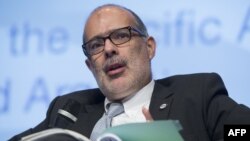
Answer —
(41, 55)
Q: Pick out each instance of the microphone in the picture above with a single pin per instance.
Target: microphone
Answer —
(68, 114)
(55, 134)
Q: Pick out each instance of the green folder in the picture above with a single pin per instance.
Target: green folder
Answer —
(163, 130)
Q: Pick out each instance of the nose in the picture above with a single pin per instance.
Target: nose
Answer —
(110, 49)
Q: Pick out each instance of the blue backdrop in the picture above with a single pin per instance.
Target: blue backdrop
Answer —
(41, 55)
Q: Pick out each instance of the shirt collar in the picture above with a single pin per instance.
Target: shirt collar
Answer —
(141, 98)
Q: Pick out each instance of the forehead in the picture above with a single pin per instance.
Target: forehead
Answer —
(106, 19)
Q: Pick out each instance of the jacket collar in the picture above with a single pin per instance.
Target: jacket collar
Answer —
(160, 102)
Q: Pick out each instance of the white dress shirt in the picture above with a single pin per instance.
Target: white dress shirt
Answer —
(133, 106)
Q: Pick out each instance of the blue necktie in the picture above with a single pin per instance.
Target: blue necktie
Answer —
(104, 122)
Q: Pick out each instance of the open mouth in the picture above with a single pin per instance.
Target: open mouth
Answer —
(115, 69)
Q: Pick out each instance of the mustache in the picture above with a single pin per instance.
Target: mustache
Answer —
(114, 60)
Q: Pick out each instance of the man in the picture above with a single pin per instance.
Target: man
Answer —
(119, 53)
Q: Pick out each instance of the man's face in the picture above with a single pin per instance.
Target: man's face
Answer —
(120, 70)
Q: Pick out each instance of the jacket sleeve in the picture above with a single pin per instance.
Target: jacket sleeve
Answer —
(45, 124)
(220, 109)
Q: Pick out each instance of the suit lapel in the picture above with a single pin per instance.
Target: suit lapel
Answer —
(87, 118)
(160, 102)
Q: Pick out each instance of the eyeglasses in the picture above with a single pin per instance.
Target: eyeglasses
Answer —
(117, 37)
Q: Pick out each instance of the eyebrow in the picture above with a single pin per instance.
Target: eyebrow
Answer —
(99, 36)
(104, 34)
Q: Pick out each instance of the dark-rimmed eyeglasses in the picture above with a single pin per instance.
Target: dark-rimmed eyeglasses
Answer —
(117, 37)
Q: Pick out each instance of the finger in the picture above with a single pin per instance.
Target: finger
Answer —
(147, 114)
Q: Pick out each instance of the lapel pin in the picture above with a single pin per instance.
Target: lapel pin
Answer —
(163, 106)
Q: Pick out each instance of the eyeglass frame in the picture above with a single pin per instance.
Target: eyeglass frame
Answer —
(130, 28)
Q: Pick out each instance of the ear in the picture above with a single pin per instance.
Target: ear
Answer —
(151, 45)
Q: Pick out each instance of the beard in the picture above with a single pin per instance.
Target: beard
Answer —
(136, 75)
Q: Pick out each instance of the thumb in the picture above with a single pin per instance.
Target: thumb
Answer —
(147, 114)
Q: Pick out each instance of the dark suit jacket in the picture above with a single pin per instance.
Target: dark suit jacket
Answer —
(199, 101)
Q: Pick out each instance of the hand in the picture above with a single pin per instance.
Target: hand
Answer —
(147, 114)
